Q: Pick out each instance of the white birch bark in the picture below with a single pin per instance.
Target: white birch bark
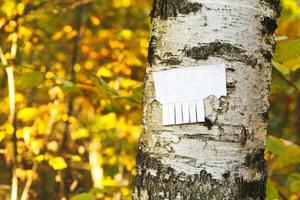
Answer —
(222, 158)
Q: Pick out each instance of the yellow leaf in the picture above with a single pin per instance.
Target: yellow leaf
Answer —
(27, 114)
(21, 173)
(103, 72)
(24, 31)
(126, 34)
(39, 158)
(52, 146)
(2, 135)
(144, 43)
(76, 158)
(293, 64)
(8, 7)
(112, 160)
(129, 83)
(20, 8)
(58, 163)
(56, 36)
(80, 133)
(109, 182)
(89, 65)
(77, 67)
(125, 191)
(67, 28)
(110, 151)
(95, 20)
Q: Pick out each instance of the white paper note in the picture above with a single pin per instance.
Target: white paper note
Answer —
(182, 91)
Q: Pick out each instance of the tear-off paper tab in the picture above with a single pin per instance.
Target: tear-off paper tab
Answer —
(182, 92)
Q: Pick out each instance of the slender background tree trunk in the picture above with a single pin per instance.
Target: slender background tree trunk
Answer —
(222, 158)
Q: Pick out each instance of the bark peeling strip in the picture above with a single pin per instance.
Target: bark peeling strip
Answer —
(170, 8)
(219, 49)
(166, 183)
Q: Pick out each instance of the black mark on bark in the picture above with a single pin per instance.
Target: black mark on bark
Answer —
(248, 188)
(265, 116)
(269, 25)
(208, 123)
(256, 159)
(243, 135)
(171, 8)
(226, 175)
(170, 59)
(151, 50)
(219, 49)
(267, 54)
(231, 86)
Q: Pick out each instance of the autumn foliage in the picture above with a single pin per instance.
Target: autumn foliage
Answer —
(70, 99)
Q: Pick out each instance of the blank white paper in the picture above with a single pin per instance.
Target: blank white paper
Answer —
(182, 91)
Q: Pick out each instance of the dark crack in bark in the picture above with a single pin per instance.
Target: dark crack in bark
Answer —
(170, 59)
(244, 135)
(219, 49)
(151, 50)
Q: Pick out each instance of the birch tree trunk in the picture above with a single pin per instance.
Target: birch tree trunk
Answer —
(222, 158)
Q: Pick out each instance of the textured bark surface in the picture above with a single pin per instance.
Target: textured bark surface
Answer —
(222, 158)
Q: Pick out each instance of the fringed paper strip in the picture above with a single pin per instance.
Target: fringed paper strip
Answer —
(182, 92)
(183, 113)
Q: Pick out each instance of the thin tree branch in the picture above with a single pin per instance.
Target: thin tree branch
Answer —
(3, 58)
(11, 90)
(28, 184)
(74, 60)
(287, 80)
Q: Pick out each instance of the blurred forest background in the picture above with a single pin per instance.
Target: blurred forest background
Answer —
(70, 99)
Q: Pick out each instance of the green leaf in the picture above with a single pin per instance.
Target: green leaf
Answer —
(272, 193)
(276, 145)
(38, 2)
(294, 177)
(295, 187)
(83, 196)
(287, 49)
(138, 94)
(68, 87)
(281, 38)
(31, 79)
(2, 66)
(288, 153)
(287, 55)
(281, 68)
